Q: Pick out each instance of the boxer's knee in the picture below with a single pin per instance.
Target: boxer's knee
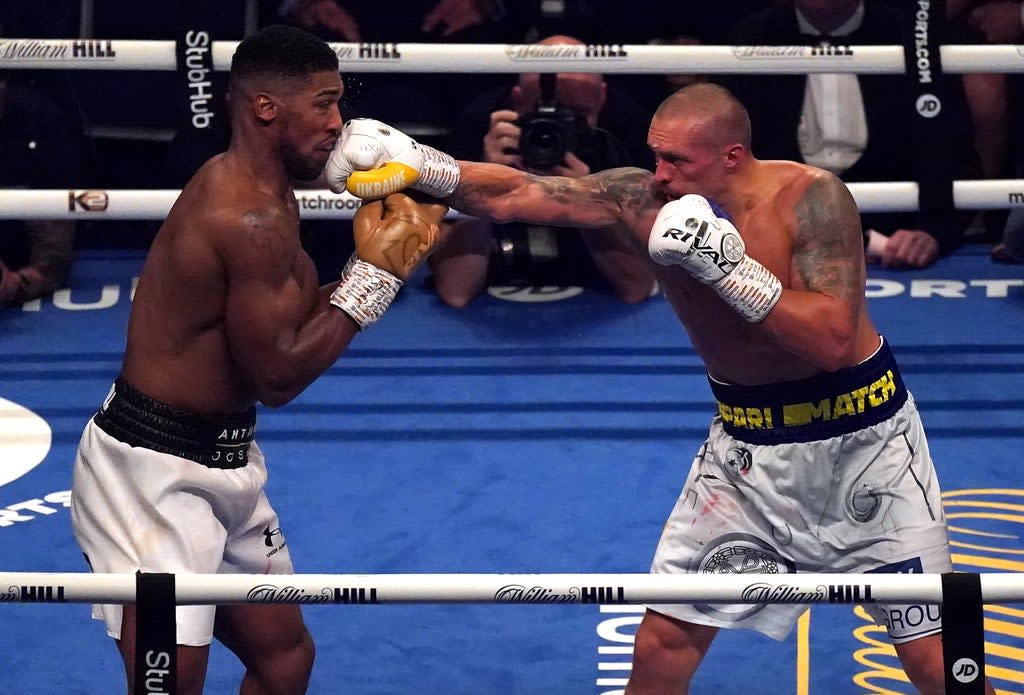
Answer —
(283, 671)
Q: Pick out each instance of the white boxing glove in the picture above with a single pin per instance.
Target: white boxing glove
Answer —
(373, 160)
(688, 233)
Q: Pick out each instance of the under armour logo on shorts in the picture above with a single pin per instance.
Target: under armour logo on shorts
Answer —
(269, 536)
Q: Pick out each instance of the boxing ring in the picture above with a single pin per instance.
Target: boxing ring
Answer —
(527, 454)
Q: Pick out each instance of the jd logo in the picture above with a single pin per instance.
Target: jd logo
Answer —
(965, 670)
(534, 294)
(928, 105)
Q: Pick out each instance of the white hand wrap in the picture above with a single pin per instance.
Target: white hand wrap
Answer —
(751, 289)
(440, 174)
(688, 233)
(365, 291)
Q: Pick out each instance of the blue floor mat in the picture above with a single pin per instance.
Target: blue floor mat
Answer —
(512, 437)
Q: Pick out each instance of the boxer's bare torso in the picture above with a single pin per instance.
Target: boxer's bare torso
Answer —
(796, 220)
(777, 228)
(180, 348)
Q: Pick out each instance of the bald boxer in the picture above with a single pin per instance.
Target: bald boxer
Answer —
(228, 314)
(816, 460)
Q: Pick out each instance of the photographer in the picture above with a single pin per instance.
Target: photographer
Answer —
(569, 124)
(40, 147)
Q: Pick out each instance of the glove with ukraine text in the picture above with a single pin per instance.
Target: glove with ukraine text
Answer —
(372, 160)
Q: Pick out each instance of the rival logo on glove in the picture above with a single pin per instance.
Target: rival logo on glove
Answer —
(695, 240)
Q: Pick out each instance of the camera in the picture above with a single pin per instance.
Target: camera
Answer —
(550, 131)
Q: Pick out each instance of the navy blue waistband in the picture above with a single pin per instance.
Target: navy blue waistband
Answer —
(136, 419)
(819, 407)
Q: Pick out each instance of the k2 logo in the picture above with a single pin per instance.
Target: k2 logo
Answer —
(90, 201)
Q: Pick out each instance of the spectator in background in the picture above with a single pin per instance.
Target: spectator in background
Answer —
(849, 124)
(1002, 22)
(444, 18)
(685, 23)
(40, 147)
(579, 126)
(31, 19)
(641, 21)
(427, 103)
(673, 82)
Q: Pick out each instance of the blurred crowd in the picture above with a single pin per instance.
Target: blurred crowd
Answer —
(63, 129)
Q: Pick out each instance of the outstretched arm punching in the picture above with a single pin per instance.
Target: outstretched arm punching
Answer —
(373, 159)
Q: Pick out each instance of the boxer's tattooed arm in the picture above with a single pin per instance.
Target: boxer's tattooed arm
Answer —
(596, 200)
(828, 245)
(629, 189)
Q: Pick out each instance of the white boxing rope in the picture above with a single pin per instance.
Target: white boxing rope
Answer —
(892, 196)
(131, 204)
(989, 194)
(902, 196)
(134, 204)
(105, 54)
(196, 589)
(86, 203)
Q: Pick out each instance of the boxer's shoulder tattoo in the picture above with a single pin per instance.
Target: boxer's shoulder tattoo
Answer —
(828, 244)
(265, 234)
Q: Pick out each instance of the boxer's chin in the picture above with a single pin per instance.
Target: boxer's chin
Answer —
(304, 168)
(663, 194)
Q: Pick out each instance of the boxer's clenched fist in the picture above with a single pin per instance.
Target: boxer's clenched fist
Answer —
(393, 236)
(688, 232)
(396, 234)
(373, 160)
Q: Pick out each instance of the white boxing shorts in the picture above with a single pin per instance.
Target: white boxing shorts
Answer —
(159, 490)
(827, 474)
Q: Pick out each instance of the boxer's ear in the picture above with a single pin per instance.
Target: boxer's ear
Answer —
(264, 107)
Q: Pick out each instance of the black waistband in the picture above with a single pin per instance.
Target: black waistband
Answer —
(822, 406)
(134, 418)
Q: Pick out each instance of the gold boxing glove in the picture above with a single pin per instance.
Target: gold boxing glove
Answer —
(392, 238)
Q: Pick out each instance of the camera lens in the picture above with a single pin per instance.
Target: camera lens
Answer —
(542, 144)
